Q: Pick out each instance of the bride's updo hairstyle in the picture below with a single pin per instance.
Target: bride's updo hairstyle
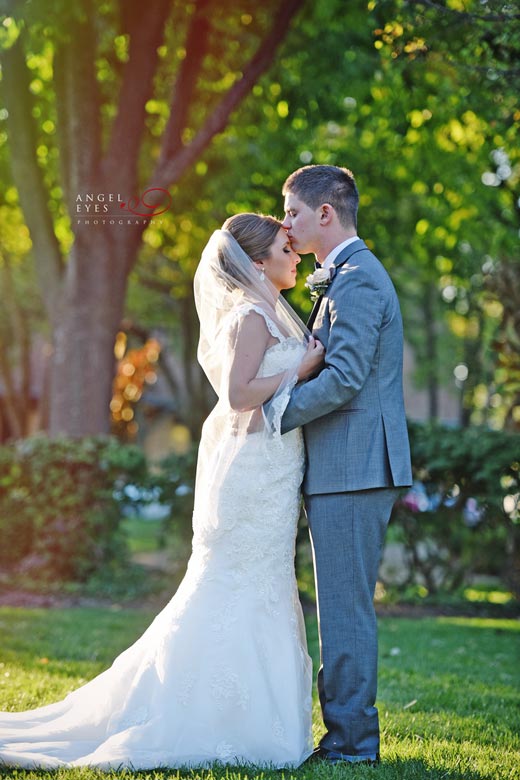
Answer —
(228, 284)
(255, 234)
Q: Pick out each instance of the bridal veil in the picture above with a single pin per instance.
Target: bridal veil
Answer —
(228, 286)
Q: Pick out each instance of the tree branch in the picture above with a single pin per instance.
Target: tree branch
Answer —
(10, 396)
(62, 112)
(169, 170)
(28, 176)
(78, 105)
(146, 34)
(16, 394)
(197, 41)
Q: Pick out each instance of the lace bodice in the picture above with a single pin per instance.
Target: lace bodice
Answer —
(264, 481)
(276, 356)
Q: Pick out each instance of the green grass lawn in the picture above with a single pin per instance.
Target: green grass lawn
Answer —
(448, 696)
(142, 535)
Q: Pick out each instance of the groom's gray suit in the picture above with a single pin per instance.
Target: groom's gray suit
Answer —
(357, 455)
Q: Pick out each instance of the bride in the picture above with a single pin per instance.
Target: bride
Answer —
(222, 674)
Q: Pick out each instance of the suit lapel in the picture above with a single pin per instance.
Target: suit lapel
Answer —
(314, 312)
(342, 258)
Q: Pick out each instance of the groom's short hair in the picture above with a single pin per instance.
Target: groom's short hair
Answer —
(318, 184)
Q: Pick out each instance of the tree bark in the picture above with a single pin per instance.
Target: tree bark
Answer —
(15, 341)
(11, 405)
(83, 362)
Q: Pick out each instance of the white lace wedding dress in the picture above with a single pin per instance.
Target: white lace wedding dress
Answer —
(223, 672)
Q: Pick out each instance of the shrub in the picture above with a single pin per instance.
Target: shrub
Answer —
(175, 479)
(165, 495)
(464, 515)
(59, 517)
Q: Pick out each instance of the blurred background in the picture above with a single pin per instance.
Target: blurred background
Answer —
(127, 135)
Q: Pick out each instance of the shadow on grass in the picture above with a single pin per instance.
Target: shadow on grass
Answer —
(398, 769)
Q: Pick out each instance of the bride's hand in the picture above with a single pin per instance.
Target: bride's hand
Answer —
(312, 360)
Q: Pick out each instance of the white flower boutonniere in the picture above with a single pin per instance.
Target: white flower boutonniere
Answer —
(319, 281)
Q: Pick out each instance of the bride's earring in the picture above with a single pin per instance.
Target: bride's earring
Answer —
(262, 275)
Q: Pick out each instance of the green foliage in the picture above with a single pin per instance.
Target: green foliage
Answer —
(176, 483)
(59, 517)
(420, 99)
(426, 127)
(168, 485)
(445, 544)
(483, 463)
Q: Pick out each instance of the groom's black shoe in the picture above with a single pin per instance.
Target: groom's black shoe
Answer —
(322, 754)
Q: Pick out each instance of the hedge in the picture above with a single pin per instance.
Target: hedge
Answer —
(462, 517)
(59, 516)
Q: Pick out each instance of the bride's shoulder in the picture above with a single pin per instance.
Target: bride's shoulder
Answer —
(256, 318)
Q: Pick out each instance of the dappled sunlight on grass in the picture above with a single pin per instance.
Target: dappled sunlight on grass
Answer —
(447, 697)
(489, 596)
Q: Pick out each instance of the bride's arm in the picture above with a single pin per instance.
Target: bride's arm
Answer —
(246, 391)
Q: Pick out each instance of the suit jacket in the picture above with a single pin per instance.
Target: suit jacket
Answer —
(352, 413)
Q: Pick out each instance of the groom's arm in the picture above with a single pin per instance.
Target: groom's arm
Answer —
(356, 315)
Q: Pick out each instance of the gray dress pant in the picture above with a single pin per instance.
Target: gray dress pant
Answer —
(347, 533)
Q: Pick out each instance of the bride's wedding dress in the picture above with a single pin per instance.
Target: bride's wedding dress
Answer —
(223, 672)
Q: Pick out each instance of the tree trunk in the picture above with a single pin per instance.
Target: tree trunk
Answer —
(86, 324)
(85, 297)
(15, 349)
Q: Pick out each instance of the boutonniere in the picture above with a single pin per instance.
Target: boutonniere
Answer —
(318, 281)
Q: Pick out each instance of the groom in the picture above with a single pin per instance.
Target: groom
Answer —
(357, 448)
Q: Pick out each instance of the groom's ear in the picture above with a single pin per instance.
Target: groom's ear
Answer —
(326, 214)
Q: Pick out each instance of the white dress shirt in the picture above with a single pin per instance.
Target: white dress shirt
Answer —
(329, 260)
